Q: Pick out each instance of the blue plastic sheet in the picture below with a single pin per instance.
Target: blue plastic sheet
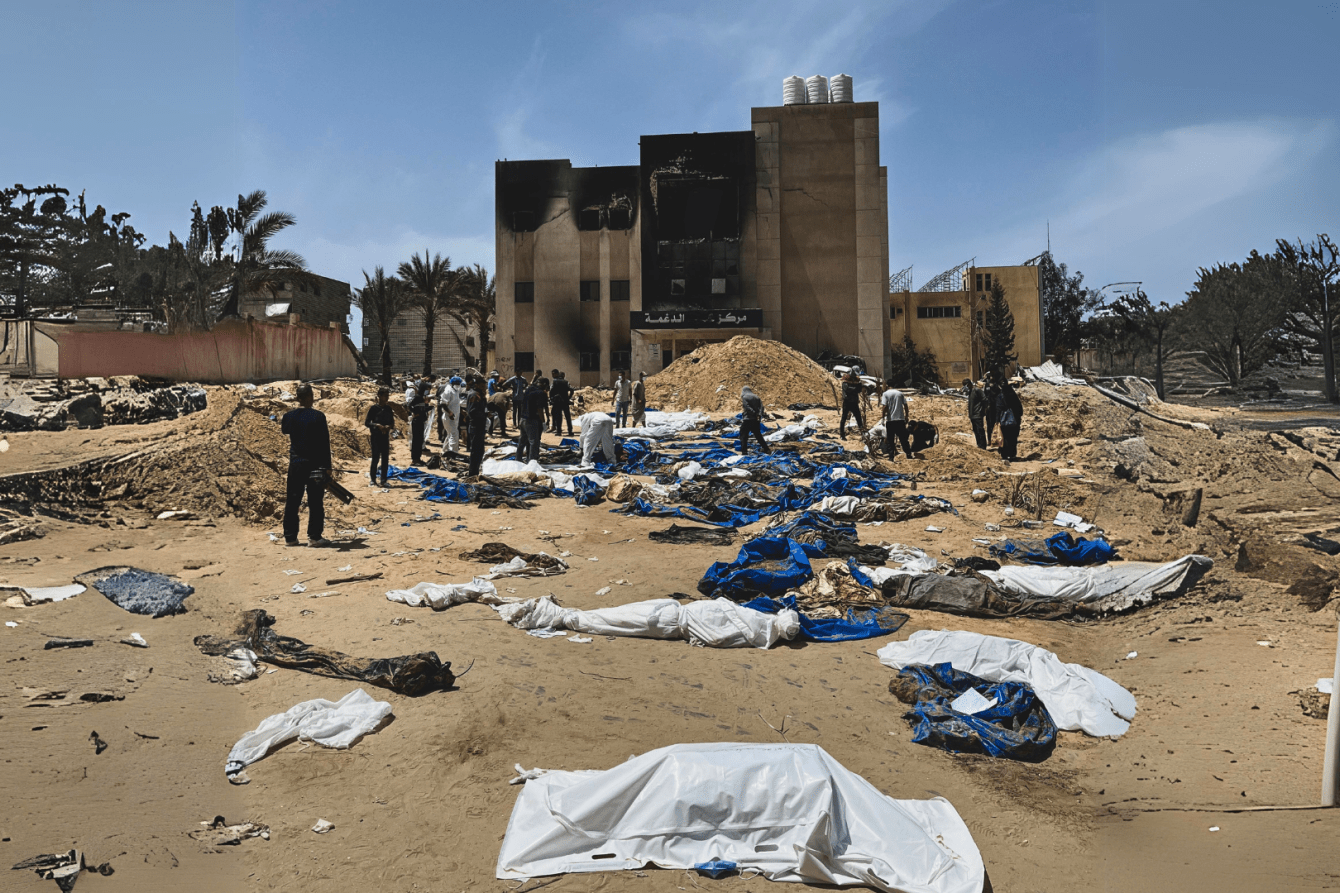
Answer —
(141, 592)
(436, 487)
(1059, 548)
(1017, 727)
(717, 868)
(771, 565)
(867, 624)
(587, 491)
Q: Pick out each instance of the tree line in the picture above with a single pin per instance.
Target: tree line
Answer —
(56, 254)
(1236, 318)
(431, 287)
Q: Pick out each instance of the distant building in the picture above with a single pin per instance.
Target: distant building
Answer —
(947, 316)
(318, 301)
(779, 232)
(408, 334)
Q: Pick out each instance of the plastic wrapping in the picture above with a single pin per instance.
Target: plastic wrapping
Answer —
(719, 623)
(336, 724)
(790, 811)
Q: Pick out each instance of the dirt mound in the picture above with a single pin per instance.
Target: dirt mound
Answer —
(710, 378)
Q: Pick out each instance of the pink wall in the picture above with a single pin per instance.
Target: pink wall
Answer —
(233, 351)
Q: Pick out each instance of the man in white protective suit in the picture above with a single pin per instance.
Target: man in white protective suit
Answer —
(597, 438)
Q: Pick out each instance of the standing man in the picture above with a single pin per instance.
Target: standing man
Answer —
(380, 422)
(978, 409)
(851, 403)
(623, 395)
(449, 411)
(536, 399)
(476, 411)
(517, 384)
(751, 420)
(416, 401)
(494, 382)
(560, 402)
(992, 413)
(1010, 415)
(640, 401)
(308, 465)
(895, 422)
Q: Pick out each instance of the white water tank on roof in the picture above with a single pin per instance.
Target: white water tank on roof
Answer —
(793, 91)
(816, 89)
(839, 89)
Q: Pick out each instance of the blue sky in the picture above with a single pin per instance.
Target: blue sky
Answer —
(1155, 137)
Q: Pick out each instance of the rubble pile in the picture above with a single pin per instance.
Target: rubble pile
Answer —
(710, 378)
(93, 403)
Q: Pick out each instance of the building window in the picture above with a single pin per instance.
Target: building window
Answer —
(621, 359)
(588, 361)
(619, 290)
(469, 340)
(590, 289)
(525, 361)
(979, 281)
(676, 286)
(401, 321)
(939, 312)
(316, 289)
(895, 312)
(988, 282)
(621, 218)
(524, 293)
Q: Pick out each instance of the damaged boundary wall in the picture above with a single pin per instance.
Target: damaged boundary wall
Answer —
(233, 352)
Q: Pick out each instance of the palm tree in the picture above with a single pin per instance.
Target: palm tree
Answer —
(259, 267)
(475, 304)
(382, 299)
(432, 285)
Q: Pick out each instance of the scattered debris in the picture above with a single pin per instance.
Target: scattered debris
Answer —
(322, 826)
(139, 591)
(220, 833)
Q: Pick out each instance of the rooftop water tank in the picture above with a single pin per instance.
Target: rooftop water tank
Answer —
(793, 91)
(816, 89)
(840, 89)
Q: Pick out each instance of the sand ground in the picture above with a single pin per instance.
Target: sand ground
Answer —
(423, 803)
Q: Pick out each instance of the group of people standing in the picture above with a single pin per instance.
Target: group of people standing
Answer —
(993, 402)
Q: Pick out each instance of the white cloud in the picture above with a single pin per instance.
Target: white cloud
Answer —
(1136, 208)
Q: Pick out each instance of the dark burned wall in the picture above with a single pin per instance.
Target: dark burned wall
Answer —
(696, 197)
(558, 226)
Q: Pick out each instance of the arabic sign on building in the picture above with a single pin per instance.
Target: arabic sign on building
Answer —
(697, 319)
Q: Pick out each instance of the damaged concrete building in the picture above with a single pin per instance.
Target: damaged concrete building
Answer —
(780, 232)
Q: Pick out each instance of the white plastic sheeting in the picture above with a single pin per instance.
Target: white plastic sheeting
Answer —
(336, 724)
(664, 424)
(1077, 697)
(1052, 373)
(1106, 587)
(597, 437)
(805, 426)
(439, 596)
(790, 811)
(911, 563)
(519, 567)
(38, 595)
(719, 623)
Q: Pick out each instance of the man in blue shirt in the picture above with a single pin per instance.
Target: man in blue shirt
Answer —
(308, 465)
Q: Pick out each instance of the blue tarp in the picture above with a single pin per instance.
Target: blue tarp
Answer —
(1059, 548)
(438, 488)
(586, 490)
(771, 565)
(866, 624)
(1017, 727)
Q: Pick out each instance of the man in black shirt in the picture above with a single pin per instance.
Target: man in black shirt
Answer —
(560, 402)
(380, 422)
(535, 401)
(416, 399)
(751, 420)
(476, 412)
(978, 410)
(308, 465)
(851, 403)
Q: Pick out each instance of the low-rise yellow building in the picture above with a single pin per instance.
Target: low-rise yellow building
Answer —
(948, 314)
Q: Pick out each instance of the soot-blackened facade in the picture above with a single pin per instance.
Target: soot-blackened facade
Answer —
(779, 231)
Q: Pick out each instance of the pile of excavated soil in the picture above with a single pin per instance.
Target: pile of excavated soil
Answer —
(710, 378)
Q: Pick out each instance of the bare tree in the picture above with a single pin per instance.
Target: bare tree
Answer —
(1150, 323)
(1309, 271)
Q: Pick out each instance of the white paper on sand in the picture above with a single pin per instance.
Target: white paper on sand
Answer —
(336, 724)
(1077, 697)
(972, 702)
(789, 811)
(1106, 587)
(1326, 686)
(719, 623)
